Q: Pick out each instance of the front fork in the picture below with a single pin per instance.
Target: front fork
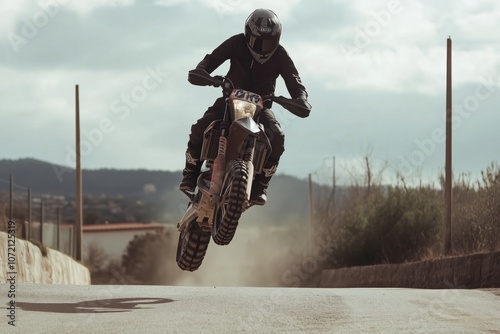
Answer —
(210, 196)
(219, 167)
(248, 158)
(219, 173)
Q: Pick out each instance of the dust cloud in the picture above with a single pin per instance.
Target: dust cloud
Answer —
(258, 256)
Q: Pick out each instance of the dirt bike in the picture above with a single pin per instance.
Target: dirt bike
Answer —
(235, 149)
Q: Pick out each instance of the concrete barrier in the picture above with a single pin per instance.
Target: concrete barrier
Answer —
(32, 267)
(468, 272)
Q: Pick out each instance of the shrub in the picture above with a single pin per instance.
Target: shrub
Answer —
(476, 213)
(390, 226)
(405, 225)
(377, 224)
(147, 256)
(96, 258)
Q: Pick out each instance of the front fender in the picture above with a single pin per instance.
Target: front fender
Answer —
(238, 133)
(247, 125)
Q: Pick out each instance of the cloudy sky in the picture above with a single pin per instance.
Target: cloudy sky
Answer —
(375, 72)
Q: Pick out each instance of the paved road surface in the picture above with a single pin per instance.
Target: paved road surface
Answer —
(165, 309)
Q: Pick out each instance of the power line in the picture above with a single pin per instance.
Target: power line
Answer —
(14, 184)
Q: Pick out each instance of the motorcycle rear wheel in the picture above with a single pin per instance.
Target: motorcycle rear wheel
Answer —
(192, 247)
(229, 212)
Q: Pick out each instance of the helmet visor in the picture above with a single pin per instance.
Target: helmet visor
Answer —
(263, 46)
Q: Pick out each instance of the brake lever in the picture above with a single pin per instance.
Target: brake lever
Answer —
(269, 97)
(227, 87)
(219, 78)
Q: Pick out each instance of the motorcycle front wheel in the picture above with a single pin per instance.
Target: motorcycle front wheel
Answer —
(229, 211)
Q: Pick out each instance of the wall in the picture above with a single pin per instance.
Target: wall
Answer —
(468, 272)
(32, 267)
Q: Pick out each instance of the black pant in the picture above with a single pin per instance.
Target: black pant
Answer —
(267, 119)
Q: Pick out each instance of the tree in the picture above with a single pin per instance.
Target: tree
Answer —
(96, 258)
(148, 257)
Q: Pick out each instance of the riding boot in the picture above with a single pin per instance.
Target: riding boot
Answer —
(260, 185)
(190, 172)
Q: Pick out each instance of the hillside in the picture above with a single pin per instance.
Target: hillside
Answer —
(47, 178)
(288, 195)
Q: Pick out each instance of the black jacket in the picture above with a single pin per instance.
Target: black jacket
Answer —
(248, 74)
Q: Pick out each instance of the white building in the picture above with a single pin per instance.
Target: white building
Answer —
(114, 238)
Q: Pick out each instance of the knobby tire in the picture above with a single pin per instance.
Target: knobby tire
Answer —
(229, 213)
(192, 247)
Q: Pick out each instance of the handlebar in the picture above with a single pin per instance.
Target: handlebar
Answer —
(199, 77)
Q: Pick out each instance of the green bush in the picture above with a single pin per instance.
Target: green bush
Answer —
(377, 224)
(148, 256)
(476, 213)
(390, 226)
(405, 225)
(96, 258)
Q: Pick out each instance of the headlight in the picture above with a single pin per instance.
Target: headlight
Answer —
(243, 109)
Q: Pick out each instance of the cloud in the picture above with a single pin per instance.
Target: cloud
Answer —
(226, 8)
(385, 88)
(170, 3)
(110, 38)
(381, 48)
(86, 7)
(10, 12)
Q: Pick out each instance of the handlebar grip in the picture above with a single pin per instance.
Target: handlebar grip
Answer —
(298, 107)
(200, 77)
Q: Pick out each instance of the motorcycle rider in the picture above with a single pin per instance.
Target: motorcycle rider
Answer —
(256, 60)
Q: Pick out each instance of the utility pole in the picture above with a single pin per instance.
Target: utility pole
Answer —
(58, 228)
(448, 161)
(333, 187)
(333, 173)
(78, 197)
(331, 200)
(311, 215)
(41, 222)
(11, 199)
(29, 215)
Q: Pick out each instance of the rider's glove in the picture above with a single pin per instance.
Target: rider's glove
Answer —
(227, 87)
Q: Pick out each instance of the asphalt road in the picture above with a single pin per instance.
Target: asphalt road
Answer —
(168, 309)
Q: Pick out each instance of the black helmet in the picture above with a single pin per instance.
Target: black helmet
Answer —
(262, 33)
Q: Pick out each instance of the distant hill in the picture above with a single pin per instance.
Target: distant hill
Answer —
(288, 196)
(44, 177)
